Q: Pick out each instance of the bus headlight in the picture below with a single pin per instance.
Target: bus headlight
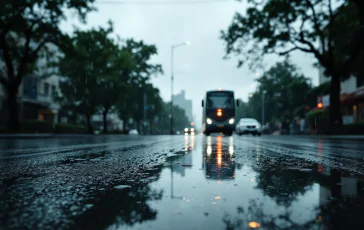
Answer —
(231, 121)
(209, 121)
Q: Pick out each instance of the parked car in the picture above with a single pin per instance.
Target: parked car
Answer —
(248, 126)
(133, 132)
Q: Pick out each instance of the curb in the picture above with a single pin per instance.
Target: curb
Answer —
(41, 136)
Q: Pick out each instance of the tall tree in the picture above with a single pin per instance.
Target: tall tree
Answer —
(285, 92)
(180, 119)
(283, 26)
(131, 100)
(113, 79)
(88, 71)
(26, 27)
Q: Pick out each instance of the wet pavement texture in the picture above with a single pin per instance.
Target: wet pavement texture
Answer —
(182, 182)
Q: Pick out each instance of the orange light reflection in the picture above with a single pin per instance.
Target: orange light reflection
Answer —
(219, 151)
(254, 224)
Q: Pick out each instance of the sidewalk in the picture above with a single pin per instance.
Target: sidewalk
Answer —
(342, 137)
(40, 135)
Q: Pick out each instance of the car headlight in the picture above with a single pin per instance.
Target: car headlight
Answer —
(192, 129)
(231, 121)
(186, 130)
(209, 121)
(258, 126)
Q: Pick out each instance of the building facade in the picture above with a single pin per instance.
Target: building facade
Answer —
(181, 101)
(352, 99)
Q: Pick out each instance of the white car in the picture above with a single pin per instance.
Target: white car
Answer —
(133, 132)
(248, 126)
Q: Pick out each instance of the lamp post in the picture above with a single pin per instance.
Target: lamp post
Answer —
(172, 73)
(263, 94)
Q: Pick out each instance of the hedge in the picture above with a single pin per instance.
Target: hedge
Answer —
(319, 120)
(36, 126)
(352, 129)
(69, 128)
(323, 124)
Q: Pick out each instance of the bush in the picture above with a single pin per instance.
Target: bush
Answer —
(69, 128)
(36, 126)
(319, 120)
(352, 129)
(323, 124)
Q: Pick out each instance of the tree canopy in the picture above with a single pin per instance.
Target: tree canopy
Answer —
(310, 26)
(285, 94)
(26, 28)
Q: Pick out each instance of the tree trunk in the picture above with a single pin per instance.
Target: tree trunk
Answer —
(13, 109)
(124, 124)
(138, 125)
(89, 125)
(104, 117)
(335, 104)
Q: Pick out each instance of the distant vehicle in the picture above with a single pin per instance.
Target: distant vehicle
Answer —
(190, 131)
(133, 132)
(219, 112)
(248, 126)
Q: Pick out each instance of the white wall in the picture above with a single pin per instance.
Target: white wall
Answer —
(347, 86)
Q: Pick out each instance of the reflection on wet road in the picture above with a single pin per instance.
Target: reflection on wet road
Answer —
(186, 182)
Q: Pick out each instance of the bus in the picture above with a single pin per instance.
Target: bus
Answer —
(219, 112)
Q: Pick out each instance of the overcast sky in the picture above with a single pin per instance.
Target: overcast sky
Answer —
(198, 67)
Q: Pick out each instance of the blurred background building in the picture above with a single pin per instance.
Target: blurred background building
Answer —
(181, 101)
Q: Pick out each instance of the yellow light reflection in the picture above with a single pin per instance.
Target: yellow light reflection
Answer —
(186, 144)
(217, 197)
(209, 140)
(219, 151)
(209, 150)
(231, 149)
(254, 224)
(192, 142)
(231, 141)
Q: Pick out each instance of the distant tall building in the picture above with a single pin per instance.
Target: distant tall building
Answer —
(181, 101)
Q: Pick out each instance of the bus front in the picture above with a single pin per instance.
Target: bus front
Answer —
(219, 112)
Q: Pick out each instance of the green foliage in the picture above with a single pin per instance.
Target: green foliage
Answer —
(285, 94)
(26, 30)
(180, 120)
(69, 128)
(319, 120)
(131, 102)
(352, 129)
(92, 67)
(314, 93)
(314, 27)
(36, 126)
(241, 111)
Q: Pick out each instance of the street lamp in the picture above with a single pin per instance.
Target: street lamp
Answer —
(263, 94)
(187, 43)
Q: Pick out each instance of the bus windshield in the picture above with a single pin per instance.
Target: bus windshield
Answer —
(220, 100)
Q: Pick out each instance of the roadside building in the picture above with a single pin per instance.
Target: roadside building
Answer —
(181, 101)
(352, 99)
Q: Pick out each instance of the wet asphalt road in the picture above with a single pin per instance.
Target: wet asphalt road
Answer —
(181, 182)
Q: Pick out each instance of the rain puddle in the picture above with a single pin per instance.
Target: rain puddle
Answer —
(219, 183)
